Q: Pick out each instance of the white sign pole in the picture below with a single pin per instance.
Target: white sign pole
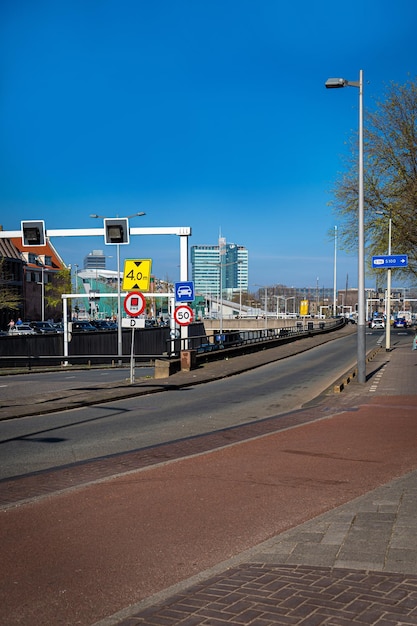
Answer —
(132, 357)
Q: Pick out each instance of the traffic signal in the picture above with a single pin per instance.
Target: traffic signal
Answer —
(116, 230)
(33, 233)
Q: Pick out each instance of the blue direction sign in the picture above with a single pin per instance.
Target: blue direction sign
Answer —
(184, 292)
(391, 260)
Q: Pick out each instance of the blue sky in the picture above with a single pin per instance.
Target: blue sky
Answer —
(208, 114)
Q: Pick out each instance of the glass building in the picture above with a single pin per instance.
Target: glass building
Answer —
(222, 268)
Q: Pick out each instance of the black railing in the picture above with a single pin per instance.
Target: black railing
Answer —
(237, 338)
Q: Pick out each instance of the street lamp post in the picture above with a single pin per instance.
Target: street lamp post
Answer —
(286, 300)
(43, 293)
(335, 83)
(388, 298)
(334, 273)
(285, 304)
(388, 328)
(222, 265)
(266, 303)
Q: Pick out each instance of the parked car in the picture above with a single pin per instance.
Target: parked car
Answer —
(83, 327)
(42, 328)
(378, 322)
(104, 325)
(22, 329)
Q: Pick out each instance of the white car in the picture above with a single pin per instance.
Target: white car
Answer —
(378, 323)
(22, 329)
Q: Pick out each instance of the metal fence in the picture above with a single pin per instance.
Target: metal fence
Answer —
(207, 343)
(87, 347)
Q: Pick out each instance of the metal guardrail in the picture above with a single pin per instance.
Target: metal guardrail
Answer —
(237, 338)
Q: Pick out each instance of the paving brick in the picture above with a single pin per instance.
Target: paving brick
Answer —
(339, 598)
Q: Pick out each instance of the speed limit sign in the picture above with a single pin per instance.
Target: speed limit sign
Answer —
(183, 315)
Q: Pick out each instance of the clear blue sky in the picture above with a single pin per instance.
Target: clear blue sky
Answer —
(207, 114)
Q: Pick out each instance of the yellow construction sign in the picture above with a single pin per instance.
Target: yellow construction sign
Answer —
(137, 274)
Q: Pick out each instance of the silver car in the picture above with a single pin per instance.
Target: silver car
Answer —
(378, 322)
(21, 329)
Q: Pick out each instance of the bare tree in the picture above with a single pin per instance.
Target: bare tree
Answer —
(390, 179)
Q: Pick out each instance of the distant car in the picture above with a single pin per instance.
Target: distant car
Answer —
(42, 327)
(59, 327)
(400, 322)
(83, 327)
(104, 325)
(22, 329)
(378, 323)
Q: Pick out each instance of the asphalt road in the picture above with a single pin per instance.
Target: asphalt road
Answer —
(53, 440)
(11, 386)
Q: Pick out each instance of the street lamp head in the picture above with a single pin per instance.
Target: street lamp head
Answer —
(94, 215)
(336, 83)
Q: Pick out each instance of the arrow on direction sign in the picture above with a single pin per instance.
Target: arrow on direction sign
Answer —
(137, 274)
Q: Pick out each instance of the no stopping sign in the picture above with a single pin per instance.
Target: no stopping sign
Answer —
(183, 315)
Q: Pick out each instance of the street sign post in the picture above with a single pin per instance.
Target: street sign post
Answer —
(183, 315)
(137, 274)
(134, 304)
(389, 261)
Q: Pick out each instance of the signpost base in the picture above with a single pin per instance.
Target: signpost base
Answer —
(188, 360)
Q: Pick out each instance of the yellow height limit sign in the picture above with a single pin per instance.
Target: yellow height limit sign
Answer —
(137, 274)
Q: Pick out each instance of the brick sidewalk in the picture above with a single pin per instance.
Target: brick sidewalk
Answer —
(259, 594)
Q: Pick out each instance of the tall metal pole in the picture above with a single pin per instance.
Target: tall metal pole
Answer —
(43, 293)
(361, 347)
(119, 316)
(221, 294)
(334, 273)
(333, 83)
(388, 311)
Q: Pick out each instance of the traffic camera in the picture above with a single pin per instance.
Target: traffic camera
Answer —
(33, 233)
(116, 230)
